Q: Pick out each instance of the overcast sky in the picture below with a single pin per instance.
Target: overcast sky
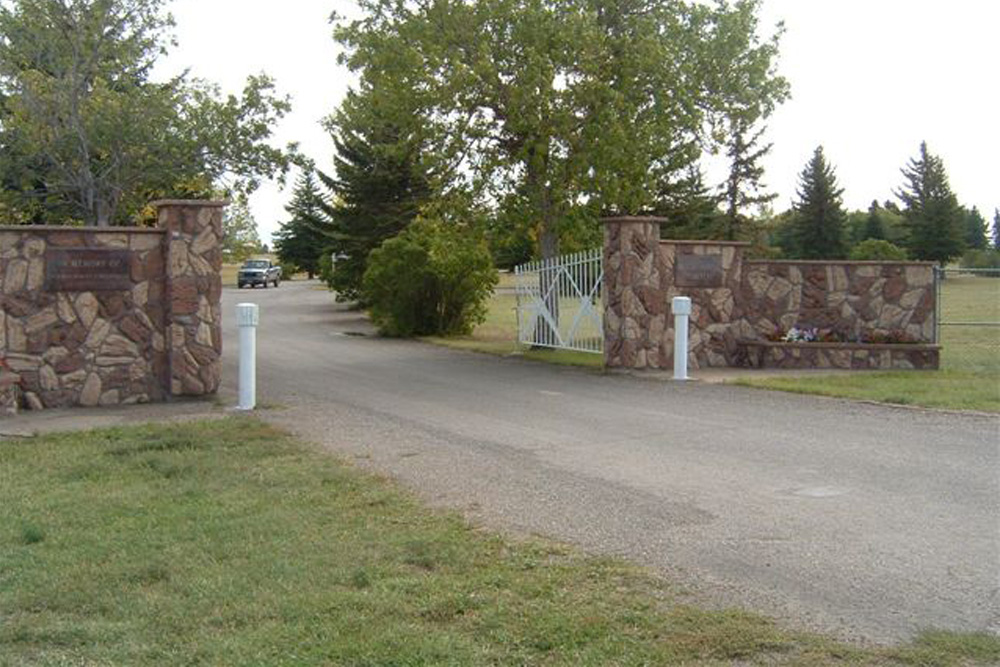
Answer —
(870, 80)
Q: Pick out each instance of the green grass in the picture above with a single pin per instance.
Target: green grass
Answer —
(969, 378)
(226, 542)
(498, 334)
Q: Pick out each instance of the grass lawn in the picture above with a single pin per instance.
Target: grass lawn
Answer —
(226, 542)
(969, 378)
(498, 334)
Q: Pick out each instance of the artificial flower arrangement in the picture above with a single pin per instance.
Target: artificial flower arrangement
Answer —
(816, 335)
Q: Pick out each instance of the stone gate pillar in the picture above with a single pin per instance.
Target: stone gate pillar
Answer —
(635, 293)
(193, 294)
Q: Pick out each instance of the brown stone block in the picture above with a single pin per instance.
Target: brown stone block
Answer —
(184, 296)
(70, 364)
(214, 291)
(30, 381)
(894, 288)
(66, 239)
(38, 342)
(205, 356)
(210, 377)
(112, 304)
(17, 307)
(135, 329)
(924, 309)
(116, 377)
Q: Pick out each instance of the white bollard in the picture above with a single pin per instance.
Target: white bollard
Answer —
(247, 318)
(682, 310)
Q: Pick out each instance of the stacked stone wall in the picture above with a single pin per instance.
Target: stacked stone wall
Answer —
(850, 298)
(737, 303)
(145, 330)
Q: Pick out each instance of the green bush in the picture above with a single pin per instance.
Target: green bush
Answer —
(433, 279)
(877, 250)
(288, 270)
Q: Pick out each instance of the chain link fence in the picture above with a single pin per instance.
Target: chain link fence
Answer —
(968, 320)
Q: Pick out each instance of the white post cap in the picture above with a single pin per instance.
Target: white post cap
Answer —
(682, 305)
(247, 314)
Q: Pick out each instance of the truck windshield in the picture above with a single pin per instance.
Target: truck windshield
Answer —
(256, 264)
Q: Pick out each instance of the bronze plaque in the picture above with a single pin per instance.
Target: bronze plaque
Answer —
(698, 271)
(87, 270)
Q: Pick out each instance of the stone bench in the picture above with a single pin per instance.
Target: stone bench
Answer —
(848, 356)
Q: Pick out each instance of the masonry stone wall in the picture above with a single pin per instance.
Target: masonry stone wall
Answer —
(738, 304)
(112, 316)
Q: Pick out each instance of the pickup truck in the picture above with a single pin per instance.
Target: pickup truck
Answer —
(258, 272)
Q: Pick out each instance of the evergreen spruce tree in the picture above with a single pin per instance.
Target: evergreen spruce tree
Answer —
(744, 187)
(931, 212)
(376, 192)
(874, 229)
(691, 209)
(996, 229)
(818, 224)
(304, 237)
(975, 228)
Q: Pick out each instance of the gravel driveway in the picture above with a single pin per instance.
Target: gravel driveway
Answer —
(866, 521)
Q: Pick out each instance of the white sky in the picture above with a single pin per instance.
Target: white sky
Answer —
(870, 80)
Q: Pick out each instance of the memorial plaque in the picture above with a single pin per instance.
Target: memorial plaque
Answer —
(698, 271)
(87, 270)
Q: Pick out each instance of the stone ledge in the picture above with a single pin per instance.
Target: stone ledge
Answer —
(847, 356)
(738, 244)
(916, 347)
(124, 229)
(203, 203)
(835, 262)
(624, 219)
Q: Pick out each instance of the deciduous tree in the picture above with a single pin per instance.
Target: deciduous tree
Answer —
(88, 135)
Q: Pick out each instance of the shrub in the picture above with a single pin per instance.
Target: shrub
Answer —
(433, 279)
(288, 270)
(877, 250)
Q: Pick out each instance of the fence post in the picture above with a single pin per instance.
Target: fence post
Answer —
(247, 318)
(682, 310)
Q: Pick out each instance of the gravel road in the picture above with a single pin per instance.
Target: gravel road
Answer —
(869, 522)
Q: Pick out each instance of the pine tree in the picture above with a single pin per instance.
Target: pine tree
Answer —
(874, 229)
(304, 237)
(743, 187)
(818, 224)
(691, 210)
(931, 212)
(996, 229)
(378, 190)
(975, 229)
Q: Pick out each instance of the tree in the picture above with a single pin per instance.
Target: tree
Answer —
(551, 107)
(302, 239)
(996, 229)
(873, 224)
(240, 239)
(818, 224)
(378, 189)
(88, 135)
(743, 187)
(930, 210)
(975, 229)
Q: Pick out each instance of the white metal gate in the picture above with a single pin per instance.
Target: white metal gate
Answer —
(559, 302)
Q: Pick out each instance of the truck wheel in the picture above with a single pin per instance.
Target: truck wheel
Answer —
(264, 284)
(276, 281)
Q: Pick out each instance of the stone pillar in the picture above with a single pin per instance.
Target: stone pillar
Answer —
(193, 294)
(635, 293)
